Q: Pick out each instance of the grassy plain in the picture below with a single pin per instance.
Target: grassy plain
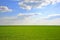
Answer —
(29, 32)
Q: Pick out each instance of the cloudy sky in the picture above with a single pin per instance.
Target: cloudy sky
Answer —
(29, 12)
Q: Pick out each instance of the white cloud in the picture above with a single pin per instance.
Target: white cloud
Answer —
(30, 19)
(29, 4)
(19, 19)
(10, 20)
(50, 16)
(43, 20)
(5, 9)
(48, 22)
(29, 14)
(24, 6)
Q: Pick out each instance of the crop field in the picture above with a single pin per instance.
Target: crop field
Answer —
(32, 32)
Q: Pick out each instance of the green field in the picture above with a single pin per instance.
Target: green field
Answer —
(29, 32)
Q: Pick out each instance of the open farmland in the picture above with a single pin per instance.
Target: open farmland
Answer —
(29, 32)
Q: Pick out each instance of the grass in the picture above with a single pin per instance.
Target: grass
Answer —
(29, 32)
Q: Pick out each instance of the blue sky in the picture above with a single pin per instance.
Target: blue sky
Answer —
(38, 12)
